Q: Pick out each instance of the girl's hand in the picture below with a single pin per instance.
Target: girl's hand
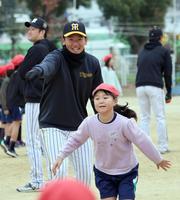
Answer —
(57, 165)
(164, 164)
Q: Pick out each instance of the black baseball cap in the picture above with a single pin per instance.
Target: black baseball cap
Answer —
(37, 23)
(74, 27)
(155, 32)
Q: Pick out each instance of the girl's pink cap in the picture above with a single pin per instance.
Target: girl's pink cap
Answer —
(107, 87)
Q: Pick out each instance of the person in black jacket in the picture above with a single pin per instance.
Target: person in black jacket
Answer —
(70, 74)
(154, 67)
(36, 33)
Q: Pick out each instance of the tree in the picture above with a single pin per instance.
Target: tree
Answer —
(46, 8)
(85, 3)
(53, 11)
(134, 18)
(8, 22)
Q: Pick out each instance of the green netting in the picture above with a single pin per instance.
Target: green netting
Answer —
(23, 46)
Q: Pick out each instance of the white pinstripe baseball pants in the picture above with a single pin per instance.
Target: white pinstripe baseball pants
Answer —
(53, 140)
(33, 144)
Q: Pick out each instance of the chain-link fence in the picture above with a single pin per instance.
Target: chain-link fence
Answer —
(126, 67)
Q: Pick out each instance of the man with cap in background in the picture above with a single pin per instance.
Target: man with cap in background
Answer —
(36, 33)
(70, 75)
(154, 67)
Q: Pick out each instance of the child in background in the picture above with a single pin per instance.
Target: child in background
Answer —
(1, 125)
(116, 165)
(11, 115)
(109, 74)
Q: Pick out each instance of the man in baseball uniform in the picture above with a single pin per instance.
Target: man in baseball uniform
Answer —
(36, 33)
(70, 74)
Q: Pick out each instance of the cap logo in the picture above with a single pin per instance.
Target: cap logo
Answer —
(44, 25)
(75, 27)
(34, 20)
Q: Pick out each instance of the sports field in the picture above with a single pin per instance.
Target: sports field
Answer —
(153, 184)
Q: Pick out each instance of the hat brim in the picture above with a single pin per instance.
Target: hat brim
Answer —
(74, 32)
(28, 24)
(115, 94)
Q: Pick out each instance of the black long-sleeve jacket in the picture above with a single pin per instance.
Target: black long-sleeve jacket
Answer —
(33, 89)
(67, 90)
(154, 66)
(15, 89)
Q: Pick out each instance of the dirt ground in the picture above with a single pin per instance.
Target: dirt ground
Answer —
(153, 184)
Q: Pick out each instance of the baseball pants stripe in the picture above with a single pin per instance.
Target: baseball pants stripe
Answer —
(33, 143)
(54, 139)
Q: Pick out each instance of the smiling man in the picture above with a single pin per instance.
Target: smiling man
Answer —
(36, 33)
(70, 76)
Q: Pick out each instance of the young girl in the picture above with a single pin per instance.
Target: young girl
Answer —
(116, 165)
(109, 74)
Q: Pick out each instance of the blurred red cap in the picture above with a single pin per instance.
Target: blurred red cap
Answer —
(17, 60)
(107, 87)
(66, 189)
(13, 64)
(107, 57)
(6, 67)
